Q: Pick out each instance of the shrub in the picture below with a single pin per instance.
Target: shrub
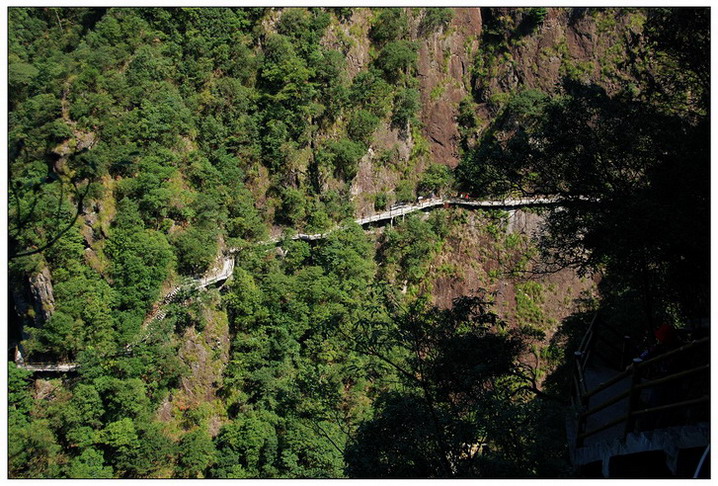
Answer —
(467, 117)
(435, 178)
(536, 15)
(362, 125)
(397, 57)
(196, 249)
(293, 208)
(434, 19)
(389, 25)
(371, 92)
(404, 191)
(380, 200)
(346, 157)
(406, 104)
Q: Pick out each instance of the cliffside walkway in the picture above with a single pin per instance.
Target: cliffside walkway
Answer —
(223, 272)
(49, 367)
(434, 203)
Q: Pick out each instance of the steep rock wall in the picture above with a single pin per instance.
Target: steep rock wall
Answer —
(444, 68)
(500, 257)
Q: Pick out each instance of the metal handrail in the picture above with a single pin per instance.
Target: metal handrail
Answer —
(634, 390)
(606, 404)
(603, 427)
(675, 376)
(608, 383)
(671, 406)
(672, 352)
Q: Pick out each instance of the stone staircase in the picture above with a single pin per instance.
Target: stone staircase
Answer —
(622, 427)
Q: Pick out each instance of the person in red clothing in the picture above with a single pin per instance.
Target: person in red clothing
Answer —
(666, 339)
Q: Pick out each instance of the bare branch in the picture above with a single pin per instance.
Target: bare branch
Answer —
(59, 235)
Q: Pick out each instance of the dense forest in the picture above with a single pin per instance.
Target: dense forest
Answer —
(147, 143)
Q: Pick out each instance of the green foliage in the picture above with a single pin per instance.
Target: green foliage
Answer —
(243, 219)
(528, 104)
(34, 451)
(529, 298)
(436, 178)
(156, 452)
(408, 248)
(291, 360)
(150, 189)
(196, 249)
(123, 399)
(403, 431)
(467, 373)
(397, 58)
(89, 465)
(294, 22)
(404, 191)
(361, 126)
(332, 82)
(162, 116)
(21, 74)
(406, 104)
(196, 453)
(122, 441)
(141, 260)
(380, 201)
(293, 210)
(343, 155)
(619, 152)
(467, 121)
(480, 169)
(19, 397)
(139, 139)
(370, 91)
(389, 25)
(342, 13)
(435, 19)
(536, 15)
(246, 448)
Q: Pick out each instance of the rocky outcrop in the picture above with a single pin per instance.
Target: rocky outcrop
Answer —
(42, 296)
(22, 307)
(374, 176)
(352, 39)
(205, 352)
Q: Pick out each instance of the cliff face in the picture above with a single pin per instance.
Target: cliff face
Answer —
(461, 62)
(42, 295)
(32, 300)
(444, 72)
(494, 53)
(498, 254)
(590, 45)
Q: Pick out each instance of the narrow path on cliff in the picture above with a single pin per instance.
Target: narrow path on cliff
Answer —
(226, 270)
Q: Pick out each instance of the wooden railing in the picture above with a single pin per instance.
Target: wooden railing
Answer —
(581, 356)
(637, 372)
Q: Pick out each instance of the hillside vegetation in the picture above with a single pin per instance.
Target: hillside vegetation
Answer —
(144, 143)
